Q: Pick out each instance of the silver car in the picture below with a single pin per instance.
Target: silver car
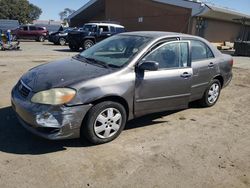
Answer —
(93, 94)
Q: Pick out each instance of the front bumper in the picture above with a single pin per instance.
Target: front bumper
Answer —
(52, 38)
(49, 122)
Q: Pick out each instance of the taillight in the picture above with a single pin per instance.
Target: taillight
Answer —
(231, 62)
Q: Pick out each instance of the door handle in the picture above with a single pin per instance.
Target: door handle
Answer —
(211, 65)
(186, 75)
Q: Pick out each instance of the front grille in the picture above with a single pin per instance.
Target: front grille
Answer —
(48, 130)
(23, 89)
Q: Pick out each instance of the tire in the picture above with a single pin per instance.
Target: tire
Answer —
(87, 44)
(74, 47)
(62, 41)
(104, 122)
(212, 94)
(41, 38)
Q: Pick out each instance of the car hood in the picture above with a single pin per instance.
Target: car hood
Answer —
(54, 33)
(62, 74)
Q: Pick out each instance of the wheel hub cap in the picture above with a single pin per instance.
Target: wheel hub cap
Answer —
(108, 123)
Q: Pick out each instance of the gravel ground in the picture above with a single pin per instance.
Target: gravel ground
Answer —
(197, 147)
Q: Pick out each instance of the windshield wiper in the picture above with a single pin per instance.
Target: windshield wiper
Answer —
(79, 57)
(87, 60)
(95, 61)
(98, 62)
(114, 66)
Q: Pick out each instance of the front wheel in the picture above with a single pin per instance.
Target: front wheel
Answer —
(62, 41)
(105, 121)
(212, 94)
(87, 44)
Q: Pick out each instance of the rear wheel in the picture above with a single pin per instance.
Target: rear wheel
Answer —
(105, 121)
(87, 44)
(212, 94)
(41, 38)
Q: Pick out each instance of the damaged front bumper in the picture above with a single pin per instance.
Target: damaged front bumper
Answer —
(49, 122)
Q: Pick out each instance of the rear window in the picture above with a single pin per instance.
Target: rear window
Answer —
(112, 29)
(120, 30)
(40, 29)
(200, 51)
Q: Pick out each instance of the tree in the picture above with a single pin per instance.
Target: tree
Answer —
(34, 12)
(20, 10)
(65, 14)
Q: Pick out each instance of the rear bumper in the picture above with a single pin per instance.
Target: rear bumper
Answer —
(227, 79)
(49, 122)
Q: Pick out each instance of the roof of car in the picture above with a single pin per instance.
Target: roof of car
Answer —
(105, 24)
(157, 34)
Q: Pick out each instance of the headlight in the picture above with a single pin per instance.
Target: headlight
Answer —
(63, 34)
(55, 96)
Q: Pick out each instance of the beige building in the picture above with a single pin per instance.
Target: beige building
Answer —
(213, 23)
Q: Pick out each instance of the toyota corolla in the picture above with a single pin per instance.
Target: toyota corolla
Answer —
(93, 94)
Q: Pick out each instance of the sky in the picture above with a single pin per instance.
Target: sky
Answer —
(51, 8)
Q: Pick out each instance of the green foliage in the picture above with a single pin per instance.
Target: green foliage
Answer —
(20, 10)
(65, 13)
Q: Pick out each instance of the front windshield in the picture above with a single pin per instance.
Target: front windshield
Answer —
(116, 51)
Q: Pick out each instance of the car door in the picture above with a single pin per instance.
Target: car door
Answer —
(169, 87)
(32, 32)
(204, 65)
(22, 33)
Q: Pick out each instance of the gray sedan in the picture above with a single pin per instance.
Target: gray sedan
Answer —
(92, 95)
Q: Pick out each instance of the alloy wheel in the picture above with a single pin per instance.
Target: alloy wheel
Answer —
(62, 41)
(213, 93)
(88, 44)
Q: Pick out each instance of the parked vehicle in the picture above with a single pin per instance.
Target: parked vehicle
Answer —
(242, 44)
(60, 37)
(95, 93)
(30, 32)
(92, 33)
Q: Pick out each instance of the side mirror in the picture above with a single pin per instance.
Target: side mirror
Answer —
(149, 65)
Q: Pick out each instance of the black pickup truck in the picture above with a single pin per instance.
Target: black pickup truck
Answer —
(92, 33)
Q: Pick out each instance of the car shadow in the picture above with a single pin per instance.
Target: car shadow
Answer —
(64, 50)
(148, 120)
(49, 44)
(16, 140)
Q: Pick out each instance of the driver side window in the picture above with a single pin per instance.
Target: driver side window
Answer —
(170, 55)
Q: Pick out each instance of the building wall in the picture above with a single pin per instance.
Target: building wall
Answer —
(100, 16)
(148, 15)
(221, 31)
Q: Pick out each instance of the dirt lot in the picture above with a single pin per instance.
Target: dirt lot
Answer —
(196, 147)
